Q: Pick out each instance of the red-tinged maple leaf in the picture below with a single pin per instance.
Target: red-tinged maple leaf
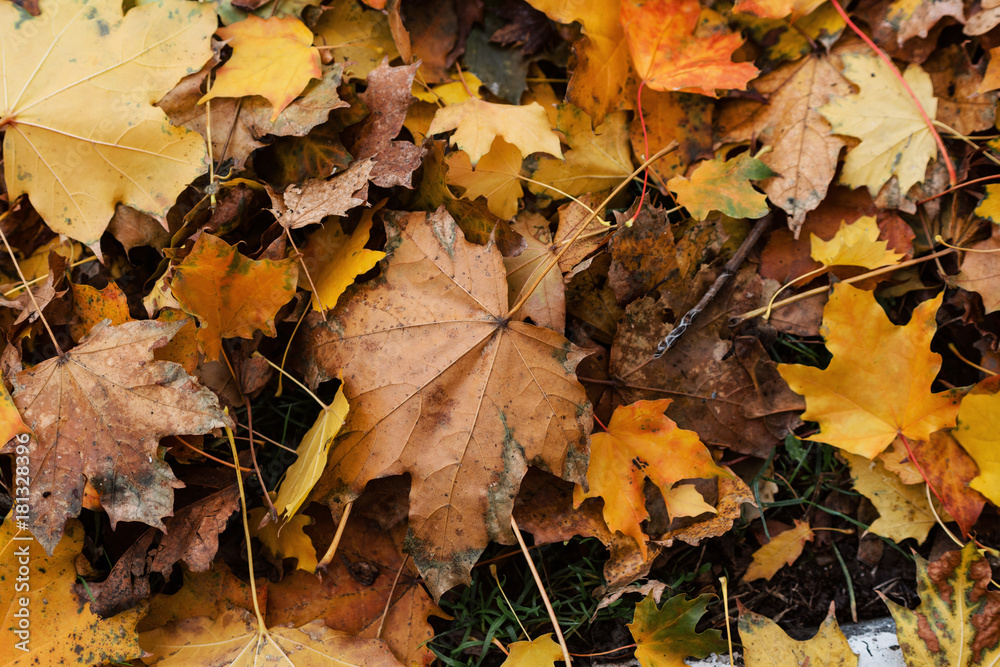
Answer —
(956, 624)
(99, 412)
(668, 56)
(232, 296)
(878, 384)
(641, 442)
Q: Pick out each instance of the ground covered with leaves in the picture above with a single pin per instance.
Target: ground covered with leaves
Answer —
(498, 332)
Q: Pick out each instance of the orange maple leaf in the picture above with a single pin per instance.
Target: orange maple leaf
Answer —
(232, 296)
(878, 384)
(668, 56)
(641, 442)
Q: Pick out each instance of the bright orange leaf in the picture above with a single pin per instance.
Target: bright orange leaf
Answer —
(641, 442)
(92, 305)
(232, 296)
(879, 381)
(668, 56)
(273, 58)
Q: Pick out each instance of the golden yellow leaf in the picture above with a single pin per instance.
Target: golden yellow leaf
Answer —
(539, 652)
(603, 79)
(684, 500)
(60, 629)
(335, 259)
(978, 432)
(895, 141)
(273, 58)
(903, 509)
(454, 92)
(783, 549)
(478, 123)
(81, 134)
(285, 538)
(495, 177)
(597, 159)
(879, 381)
(765, 644)
(854, 244)
(312, 453)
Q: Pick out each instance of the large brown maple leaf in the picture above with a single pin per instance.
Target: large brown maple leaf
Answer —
(99, 412)
(445, 387)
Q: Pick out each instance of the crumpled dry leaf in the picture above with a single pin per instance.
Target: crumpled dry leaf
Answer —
(464, 377)
(69, 402)
(317, 198)
(546, 305)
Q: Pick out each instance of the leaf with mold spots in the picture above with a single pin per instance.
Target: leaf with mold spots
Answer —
(446, 387)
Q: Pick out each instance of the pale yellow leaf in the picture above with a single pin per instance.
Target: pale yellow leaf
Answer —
(854, 244)
(478, 123)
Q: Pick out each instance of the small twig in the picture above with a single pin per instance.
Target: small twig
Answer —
(388, 602)
(541, 589)
(328, 556)
(822, 290)
(31, 295)
(725, 605)
(728, 270)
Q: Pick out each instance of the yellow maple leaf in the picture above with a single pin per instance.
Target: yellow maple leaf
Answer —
(496, 177)
(603, 79)
(286, 539)
(854, 244)
(81, 134)
(62, 629)
(979, 434)
(454, 92)
(273, 58)
(766, 644)
(879, 381)
(478, 123)
(597, 159)
(895, 141)
(641, 442)
(783, 549)
(903, 510)
(541, 651)
(335, 259)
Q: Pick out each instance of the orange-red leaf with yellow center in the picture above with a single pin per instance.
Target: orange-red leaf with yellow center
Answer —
(668, 56)
(878, 384)
(641, 442)
(231, 295)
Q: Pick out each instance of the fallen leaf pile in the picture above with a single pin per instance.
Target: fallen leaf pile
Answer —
(401, 266)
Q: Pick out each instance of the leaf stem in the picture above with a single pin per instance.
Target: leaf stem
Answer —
(31, 295)
(821, 290)
(541, 589)
(952, 178)
(246, 533)
(332, 550)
